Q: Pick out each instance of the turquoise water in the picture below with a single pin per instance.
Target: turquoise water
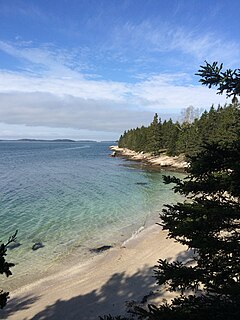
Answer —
(72, 197)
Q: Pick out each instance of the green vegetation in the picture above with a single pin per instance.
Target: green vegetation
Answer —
(188, 137)
(226, 81)
(5, 268)
(208, 287)
(207, 284)
(215, 125)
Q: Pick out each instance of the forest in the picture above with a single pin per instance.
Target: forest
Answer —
(185, 137)
(208, 221)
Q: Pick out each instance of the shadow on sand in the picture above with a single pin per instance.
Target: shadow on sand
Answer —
(111, 298)
(17, 304)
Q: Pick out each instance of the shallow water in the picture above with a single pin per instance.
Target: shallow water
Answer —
(72, 197)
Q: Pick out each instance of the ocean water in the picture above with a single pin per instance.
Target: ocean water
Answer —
(72, 197)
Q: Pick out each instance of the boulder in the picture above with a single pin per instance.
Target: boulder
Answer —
(141, 183)
(100, 249)
(14, 245)
(37, 245)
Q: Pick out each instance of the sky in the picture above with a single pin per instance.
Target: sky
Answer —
(90, 69)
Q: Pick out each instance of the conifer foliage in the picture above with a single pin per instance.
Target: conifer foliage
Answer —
(208, 288)
(5, 268)
(226, 81)
(208, 222)
(187, 137)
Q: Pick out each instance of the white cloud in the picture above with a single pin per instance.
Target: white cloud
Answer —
(95, 105)
(11, 131)
(59, 97)
(162, 37)
(44, 109)
(45, 59)
(61, 86)
(161, 92)
(209, 46)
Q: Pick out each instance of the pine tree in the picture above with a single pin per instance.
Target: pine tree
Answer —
(5, 268)
(208, 222)
(226, 81)
(170, 133)
(210, 225)
(217, 125)
(154, 135)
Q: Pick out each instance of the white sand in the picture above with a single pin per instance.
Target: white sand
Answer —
(99, 286)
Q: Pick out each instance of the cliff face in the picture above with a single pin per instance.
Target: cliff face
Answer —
(175, 163)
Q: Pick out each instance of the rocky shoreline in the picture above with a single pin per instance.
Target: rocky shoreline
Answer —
(163, 161)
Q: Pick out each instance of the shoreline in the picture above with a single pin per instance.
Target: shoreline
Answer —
(100, 285)
(83, 253)
(176, 163)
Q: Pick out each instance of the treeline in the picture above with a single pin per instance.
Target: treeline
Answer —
(188, 137)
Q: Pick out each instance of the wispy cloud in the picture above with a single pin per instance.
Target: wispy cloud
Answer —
(94, 105)
(164, 37)
(157, 93)
(208, 46)
(59, 95)
(12, 82)
(22, 9)
(45, 58)
(108, 67)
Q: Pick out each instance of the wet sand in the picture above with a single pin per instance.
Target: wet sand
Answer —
(102, 285)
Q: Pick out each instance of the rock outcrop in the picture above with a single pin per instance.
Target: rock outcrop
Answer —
(175, 163)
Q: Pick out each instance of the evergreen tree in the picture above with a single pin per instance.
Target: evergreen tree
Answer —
(170, 132)
(210, 225)
(154, 136)
(226, 81)
(214, 126)
(141, 139)
(208, 222)
(5, 268)
(228, 123)
(208, 288)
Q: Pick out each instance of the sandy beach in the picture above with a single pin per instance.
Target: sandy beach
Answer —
(101, 285)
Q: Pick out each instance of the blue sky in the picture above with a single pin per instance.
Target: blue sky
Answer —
(89, 69)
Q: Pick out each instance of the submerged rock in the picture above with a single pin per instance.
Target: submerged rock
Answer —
(37, 245)
(14, 245)
(142, 183)
(100, 249)
(113, 154)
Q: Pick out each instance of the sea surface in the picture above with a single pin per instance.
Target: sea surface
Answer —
(71, 197)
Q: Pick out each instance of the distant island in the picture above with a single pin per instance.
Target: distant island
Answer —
(48, 140)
